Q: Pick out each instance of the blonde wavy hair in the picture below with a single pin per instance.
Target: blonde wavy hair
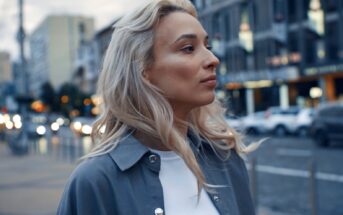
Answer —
(129, 102)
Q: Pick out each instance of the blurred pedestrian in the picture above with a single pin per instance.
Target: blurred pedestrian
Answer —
(162, 144)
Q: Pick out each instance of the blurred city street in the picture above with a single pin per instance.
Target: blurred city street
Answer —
(283, 176)
(32, 183)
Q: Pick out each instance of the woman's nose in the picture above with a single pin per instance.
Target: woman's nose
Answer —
(212, 61)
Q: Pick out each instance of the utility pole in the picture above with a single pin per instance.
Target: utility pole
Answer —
(21, 41)
(19, 145)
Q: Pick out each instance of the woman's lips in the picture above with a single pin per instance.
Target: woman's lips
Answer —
(210, 81)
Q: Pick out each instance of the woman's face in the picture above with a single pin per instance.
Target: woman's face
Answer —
(183, 67)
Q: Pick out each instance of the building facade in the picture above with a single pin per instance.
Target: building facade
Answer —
(276, 52)
(5, 67)
(86, 64)
(5, 78)
(54, 46)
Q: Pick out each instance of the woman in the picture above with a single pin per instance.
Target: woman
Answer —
(166, 148)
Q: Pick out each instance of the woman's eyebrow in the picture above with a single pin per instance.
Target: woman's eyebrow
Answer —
(189, 36)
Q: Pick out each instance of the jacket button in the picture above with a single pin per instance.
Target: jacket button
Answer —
(158, 211)
(153, 158)
(216, 198)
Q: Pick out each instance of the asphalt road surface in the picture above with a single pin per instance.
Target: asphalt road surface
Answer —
(283, 177)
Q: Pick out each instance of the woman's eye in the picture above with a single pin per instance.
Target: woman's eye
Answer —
(188, 49)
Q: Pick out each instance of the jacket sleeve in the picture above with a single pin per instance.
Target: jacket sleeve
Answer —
(86, 193)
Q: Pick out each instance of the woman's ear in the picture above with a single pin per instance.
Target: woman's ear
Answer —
(146, 75)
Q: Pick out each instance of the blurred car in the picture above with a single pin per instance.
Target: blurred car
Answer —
(2, 126)
(254, 124)
(303, 122)
(82, 126)
(36, 125)
(327, 125)
(281, 121)
(234, 122)
(2, 122)
(36, 130)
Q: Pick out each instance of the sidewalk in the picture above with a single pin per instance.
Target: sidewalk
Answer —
(31, 184)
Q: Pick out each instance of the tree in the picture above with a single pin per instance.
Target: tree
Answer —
(71, 98)
(48, 96)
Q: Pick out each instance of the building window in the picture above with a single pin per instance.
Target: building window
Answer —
(292, 11)
(217, 23)
(332, 40)
(293, 48)
(306, 8)
(332, 5)
(242, 56)
(262, 11)
(311, 49)
(227, 26)
(279, 10)
(262, 54)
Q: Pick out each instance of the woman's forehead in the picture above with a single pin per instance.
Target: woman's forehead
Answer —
(177, 24)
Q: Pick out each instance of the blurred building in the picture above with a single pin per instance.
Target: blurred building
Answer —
(90, 56)
(103, 38)
(86, 68)
(7, 87)
(86, 64)
(54, 46)
(5, 67)
(276, 52)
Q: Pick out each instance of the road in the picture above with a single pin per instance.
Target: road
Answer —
(31, 184)
(283, 176)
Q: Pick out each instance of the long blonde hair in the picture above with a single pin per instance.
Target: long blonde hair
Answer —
(130, 102)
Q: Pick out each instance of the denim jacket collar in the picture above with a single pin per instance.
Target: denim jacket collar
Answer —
(129, 150)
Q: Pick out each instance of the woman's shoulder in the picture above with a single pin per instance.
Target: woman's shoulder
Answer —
(93, 169)
(88, 187)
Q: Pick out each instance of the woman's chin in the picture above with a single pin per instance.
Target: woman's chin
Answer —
(208, 100)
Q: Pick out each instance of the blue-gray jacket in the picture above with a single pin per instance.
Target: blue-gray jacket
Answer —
(126, 182)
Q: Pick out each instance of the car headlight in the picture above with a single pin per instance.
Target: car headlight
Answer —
(16, 118)
(2, 119)
(18, 124)
(41, 130)
(9, 125)
(55, 126)
(60, 121)
(77, 126)
(86, 129)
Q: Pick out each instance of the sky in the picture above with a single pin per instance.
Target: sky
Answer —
(103, 11)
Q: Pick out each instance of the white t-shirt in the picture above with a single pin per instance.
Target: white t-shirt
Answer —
(180, 188)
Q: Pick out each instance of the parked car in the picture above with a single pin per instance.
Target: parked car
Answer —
(281, 121)
(254, 124)
(234, 122)
(303, 122)
(36, 125)
(327, 125)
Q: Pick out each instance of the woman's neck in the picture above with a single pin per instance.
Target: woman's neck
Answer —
(150, 141)
(156, 143)
(180, 117)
